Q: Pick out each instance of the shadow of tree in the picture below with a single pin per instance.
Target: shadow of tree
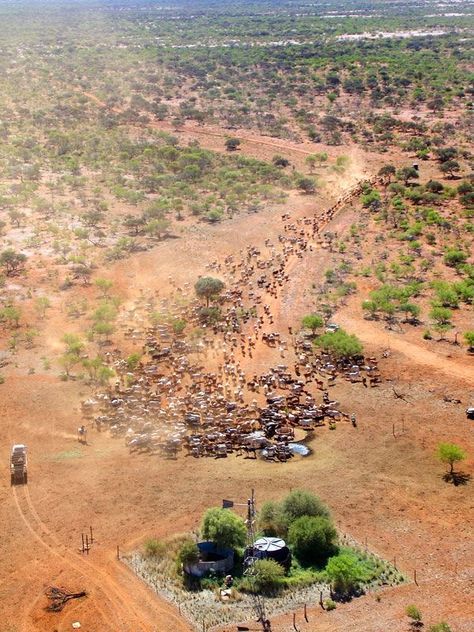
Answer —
(457, 478)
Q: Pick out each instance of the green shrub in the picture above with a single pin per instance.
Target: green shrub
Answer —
(454, 257)
(188, 553)
(312, 539)
(300, 503)
(224, 528)
(340, 344)
(154, 548)
(440, 627)
(268, 575)
(271, 519)
(329, 605)
(345, 572)
(414, 613)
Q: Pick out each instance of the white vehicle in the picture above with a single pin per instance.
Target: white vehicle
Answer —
(331, 328)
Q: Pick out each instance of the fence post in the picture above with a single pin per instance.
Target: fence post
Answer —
(118, 552)
(82, 538)
(294, 622)
(305, 614)
(414, 576)
(92, 539)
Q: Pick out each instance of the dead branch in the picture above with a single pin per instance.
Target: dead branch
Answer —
(60, 596)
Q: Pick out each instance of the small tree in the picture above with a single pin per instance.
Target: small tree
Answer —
(280, 161)
(386, 172)
(224, 528)
(271, 519)
(469, 338)
(208, 288)
(415, 615)
(232, 144)
(450, 167)
(104, 285)
(340, 344)
(12, 261)
(312, 538)
(302, 503)
(345, 572)
(268, 575)
(450, 453)
(406, 174)
(306, 185)
(313, 322)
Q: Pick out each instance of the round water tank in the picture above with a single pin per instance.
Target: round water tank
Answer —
(273, 548)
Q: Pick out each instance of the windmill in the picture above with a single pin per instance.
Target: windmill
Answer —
(249, 560)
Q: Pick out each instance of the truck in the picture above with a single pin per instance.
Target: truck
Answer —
(19, 464)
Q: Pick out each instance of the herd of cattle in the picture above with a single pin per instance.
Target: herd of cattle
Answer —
(196, 396)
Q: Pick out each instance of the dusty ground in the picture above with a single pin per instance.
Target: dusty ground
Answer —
(383, 489)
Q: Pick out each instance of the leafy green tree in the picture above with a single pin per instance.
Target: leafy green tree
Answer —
(208, 288)
(268, 575)
(224, 528)
(312, 538)
(157, 228)
(450, 167)
(104, 285)
(306, 185)
(405, 174)
(411, 311)
(441, 315)
(299, 503)
(450, 453)
(73, 343)
(387, 172)
(446, 153)
(280, 161)
(434, 186)
(232, 144)
(12, 261)
(469, 338)
(340, 344)
(345, 572)
(313, 322)
(271, 519)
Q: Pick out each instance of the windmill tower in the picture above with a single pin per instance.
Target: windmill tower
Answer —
(249, 560)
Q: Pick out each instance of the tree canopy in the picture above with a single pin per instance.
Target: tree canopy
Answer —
(340, 344)
(224, 528)
(208, 288)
